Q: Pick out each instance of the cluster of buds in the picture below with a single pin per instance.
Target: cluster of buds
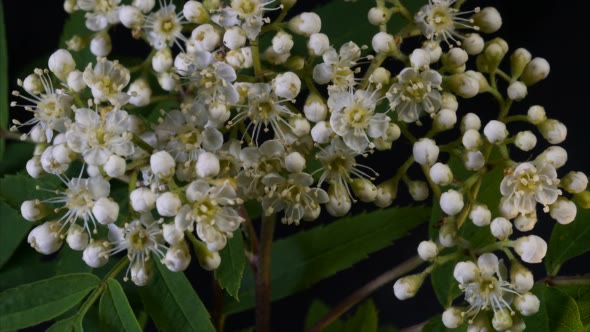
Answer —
(231, 137)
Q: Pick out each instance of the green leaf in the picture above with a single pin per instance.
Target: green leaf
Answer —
(172, 303)
(13, 229)
(17, 155)
(233, 261)
(70, 261)
(580, 294)
(364, 319)
(317, 310)
(558, 312)
(34, 303)
(568, 241)
(71, 324)
(307, 257)
(3, 80)
(444, 284)
(115, 312)
(14, 189)
(25, 266)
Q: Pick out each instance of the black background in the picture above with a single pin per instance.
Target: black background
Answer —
(554, 30)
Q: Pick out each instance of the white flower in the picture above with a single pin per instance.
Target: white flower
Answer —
(257, 162)
(163, 28)
(51, 107)
(337, 65)
(246, 13)
(100, 13)
(294, 196)
(212, 209)
(439, 20)
(97, 137)
(140, 238)
(106, 80)
(354, 118)
(529, 184)
(415, 93)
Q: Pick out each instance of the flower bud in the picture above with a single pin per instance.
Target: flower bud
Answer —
(144, 5)
(306, 24)
(300, 126)
(337, 206)
(140, 93)
(115, 166)
(34, 210)
(275, 58)
(447, 235)
(377, 16)
(434, 50)
(427, 250)
(77, 238)
(207, 165)
(418, 190)
(451, 202)
(535, 71)
(525, 140)
(465, 272)
(473, 43)
(425, 151)
(456, 57)
(420, 59)
(178, 257)
(518, 61)
(525, 222)
(470, 121)
(507, 208)
(575, 182)
(141, 273)
(555, 155)
(162, 164)
(531, 249)
(205, 38)
(282, 42)
(61, 63)
(502, 320)
(172, 234)
(167, 81)
(488, 20)
(315, 109)
(75, 81)
(536, 115)
(563, 211)
(105, 210)
(464, 85)
(162, 60)
(521, 278)
(407, 287)
(495, 131)
(34, 168)
(501, 228)
(553, 131)
(234, 38)
(168, 204)
(452, 318)
(386, 193)
(195, 12)
(45, 238)
(95, 255)
(295, 162)
(318, 44)
(517, 91)
(321, 133)
(383, 42)
(101, 45)
(441, 174)
(286, 85)
(582, 199)
(142, 200)
(527, 304)
(480, 215)
(473, 160)
(210, 260)
(471, 139)
(444, 119)
(33, 85)
(364, 189)
(131, 17)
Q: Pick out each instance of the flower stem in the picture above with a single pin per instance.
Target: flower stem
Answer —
(102, 286)
(142, 144)
(568, 281)
(363, 292)
(263, 274)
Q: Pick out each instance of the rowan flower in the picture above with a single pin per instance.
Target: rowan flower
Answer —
(415, 93)
(106, 80)
(439, 20)
(164, 27)
(530, 183)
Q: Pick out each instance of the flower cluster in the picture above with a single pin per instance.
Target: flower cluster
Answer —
(291, 137)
